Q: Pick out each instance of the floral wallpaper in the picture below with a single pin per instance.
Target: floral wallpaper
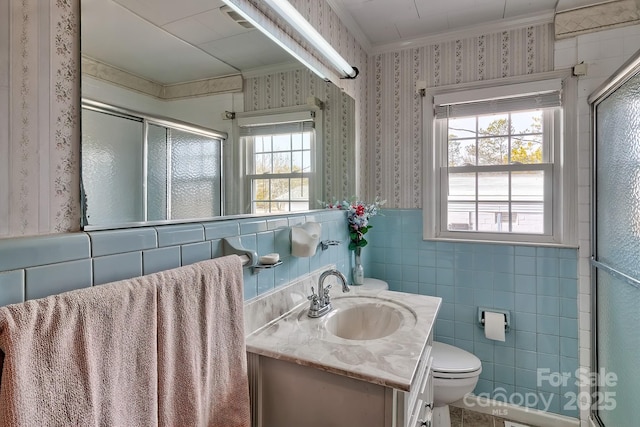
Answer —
(40, 194)
(395, 123)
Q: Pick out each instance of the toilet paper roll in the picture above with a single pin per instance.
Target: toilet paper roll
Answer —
(494, 326)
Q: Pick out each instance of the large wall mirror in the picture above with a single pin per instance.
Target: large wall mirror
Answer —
(159, 80)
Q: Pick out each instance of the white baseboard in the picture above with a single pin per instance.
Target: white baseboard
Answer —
(520, 414)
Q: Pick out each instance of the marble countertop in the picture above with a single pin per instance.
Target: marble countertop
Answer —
(389, 361)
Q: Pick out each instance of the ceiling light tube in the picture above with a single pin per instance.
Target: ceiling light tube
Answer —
(273, 38)
(293, 17)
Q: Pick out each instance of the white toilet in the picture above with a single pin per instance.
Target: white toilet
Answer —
(455, 371)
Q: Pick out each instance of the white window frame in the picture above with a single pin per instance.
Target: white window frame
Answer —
(563, 156)
(277, 116)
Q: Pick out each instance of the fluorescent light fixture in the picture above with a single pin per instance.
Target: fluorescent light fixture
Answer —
(266, 32)
(293, 17)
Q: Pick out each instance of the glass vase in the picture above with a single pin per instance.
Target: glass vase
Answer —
(358, 270)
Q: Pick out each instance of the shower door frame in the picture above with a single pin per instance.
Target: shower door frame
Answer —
(628, 70)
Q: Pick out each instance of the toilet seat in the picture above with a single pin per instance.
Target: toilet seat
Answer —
(453, 362)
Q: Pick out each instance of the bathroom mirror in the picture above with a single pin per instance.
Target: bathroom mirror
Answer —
(174, 71)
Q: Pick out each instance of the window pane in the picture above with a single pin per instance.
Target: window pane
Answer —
(262, 144)
(281, 162)
(528, 217)
(281, 142)
(493, 124)
(493, 186)
(260, 189)
(461, 216)
(462, 127)
(462, 186)
(306, 162)
(296, 141)
(526, 149)
(263, 163)
(261, 207)
(280, 206)
(526, 122)
(493, 217)
(280, 189)
(493, 151)
(462, 152)
(306, 140)
(527, 186)
(296, 161)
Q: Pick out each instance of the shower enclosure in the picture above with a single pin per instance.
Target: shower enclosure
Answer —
(616, 248)
(137, 168)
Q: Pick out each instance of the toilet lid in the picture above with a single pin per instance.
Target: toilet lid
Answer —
(447, 358)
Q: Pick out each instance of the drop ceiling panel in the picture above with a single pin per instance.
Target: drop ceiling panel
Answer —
(523, 7)
(257, 51)
(206, 27)
(161, 12)
(124, 40)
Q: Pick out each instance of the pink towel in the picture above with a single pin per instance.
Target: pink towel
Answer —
(166, 348)
(202, 365)
(81, 358)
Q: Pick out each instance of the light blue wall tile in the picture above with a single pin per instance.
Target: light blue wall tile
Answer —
(525, 265)
(503, 264)
(221, 229)
(504, 282)
(447, 293)
(57, 278)
(445, 328)
(252, 226)
(444, 276)
(525, 340)
(529, 251)
(526, 378)
(568, 288)
(549, 344)
(410, 287)
(265, 242)
(250, 284)
(503, 300)
(112, 268)
(266, 280)
(547, 267)
(483, 261)
(525, 303)
(484, 280)
(12, 287)
(445, 260)
(487, 371)
(542, 251)
(36, 251)
(217, 248)
(569, 347)
(172, 235)
(525, 284)
(483, 298)
(548, 305)
(393, 256)
(411, 240)
(547, 286)
(410, 257)
(464, 296)
(427, 289)
(273, 224)
(110, 242)
(549, 325)
(526, 359)
(465, 313)
(504, 356)
(282, 242)
(505, 375)
(464, 331)
(427, 275)
(161, 259)
(427, 258)
(281, 274)
(195, 252)
(568, 327)
(569, 308)
(410, 273)
(525, 322)
(568, 268)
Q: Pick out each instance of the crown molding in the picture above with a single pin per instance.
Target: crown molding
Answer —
(472, 31)
(351, 24)
(272, 69)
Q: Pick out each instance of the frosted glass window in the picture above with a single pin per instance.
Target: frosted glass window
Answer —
(112, 168)
(617, 244)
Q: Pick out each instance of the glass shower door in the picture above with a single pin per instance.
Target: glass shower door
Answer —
(616, 252)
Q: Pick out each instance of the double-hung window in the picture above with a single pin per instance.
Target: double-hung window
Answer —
(280, 164)
(498, 171)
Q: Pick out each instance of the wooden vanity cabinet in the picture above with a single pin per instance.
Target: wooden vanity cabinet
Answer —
(286, 394)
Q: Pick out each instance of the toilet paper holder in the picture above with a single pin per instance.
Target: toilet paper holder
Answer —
(506, 313)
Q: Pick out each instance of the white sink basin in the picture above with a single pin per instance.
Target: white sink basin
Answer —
(367, 321)
(360, 318)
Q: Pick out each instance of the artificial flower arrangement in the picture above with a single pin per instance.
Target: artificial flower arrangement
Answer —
(358, 215)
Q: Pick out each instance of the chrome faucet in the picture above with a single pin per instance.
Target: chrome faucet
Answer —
(320, 304)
